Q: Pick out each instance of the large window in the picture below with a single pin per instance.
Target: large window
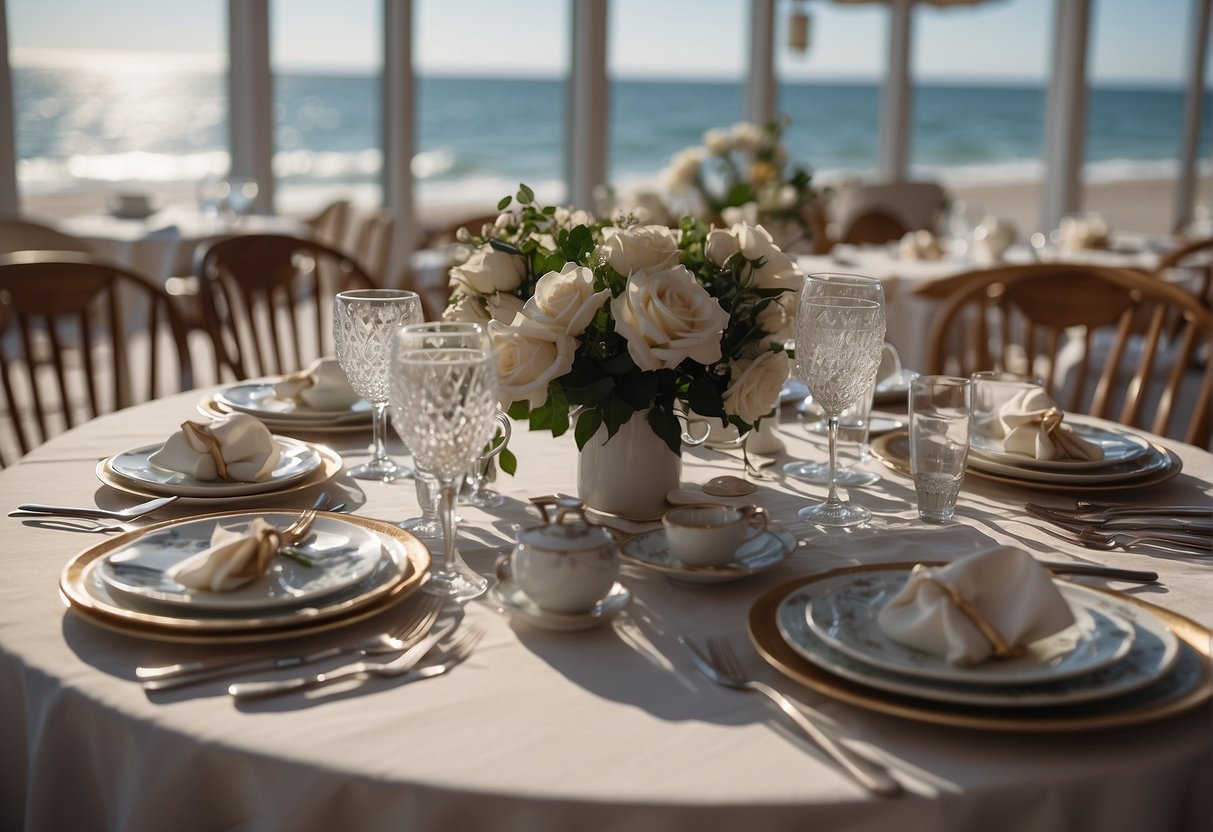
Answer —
(116, 96)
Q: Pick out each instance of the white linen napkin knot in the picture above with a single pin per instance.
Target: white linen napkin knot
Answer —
(919, 245)
(990, 603)
(235, 558)
(322, 386)
(1032, 426)
(237, 448)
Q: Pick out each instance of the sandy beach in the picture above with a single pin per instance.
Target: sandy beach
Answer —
(1143, 206)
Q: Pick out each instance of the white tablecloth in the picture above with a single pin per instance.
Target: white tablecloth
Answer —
(606, 729)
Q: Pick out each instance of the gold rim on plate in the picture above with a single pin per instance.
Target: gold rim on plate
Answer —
(893, 449)
(210, 407)
(330, 465)
(764, 633)
(74, 586)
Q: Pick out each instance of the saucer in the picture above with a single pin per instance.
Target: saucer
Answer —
(770, 548)
(514, 600)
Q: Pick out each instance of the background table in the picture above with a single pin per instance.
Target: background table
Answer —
(610, 728)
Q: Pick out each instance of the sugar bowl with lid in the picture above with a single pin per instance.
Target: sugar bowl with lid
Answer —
(564, 564)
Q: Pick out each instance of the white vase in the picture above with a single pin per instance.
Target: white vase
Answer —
(630, 474)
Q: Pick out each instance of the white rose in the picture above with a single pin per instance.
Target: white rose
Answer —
(718, 142)
(754, 389)
(567, 298)
(529, 355)
(503, 307)
(720, 246)
(488, 270)
(779, 271)
(748, 136)
(650, 247)
(466, 308)
(787, 198)
(683, 169)
(666, 316)
(736, 214)
(570, 218)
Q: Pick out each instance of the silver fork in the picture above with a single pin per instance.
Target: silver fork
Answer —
(1108, 539)
(722, 667)
(401, 637)
(401, 666)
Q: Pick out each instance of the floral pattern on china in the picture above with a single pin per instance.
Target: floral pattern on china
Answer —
(615, 318)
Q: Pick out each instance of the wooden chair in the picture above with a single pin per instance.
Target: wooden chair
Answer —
(24, 235)
(1096, 335)
(331, 225)
(873, 227)
(267, 300)
(373, 244)
(80, 337)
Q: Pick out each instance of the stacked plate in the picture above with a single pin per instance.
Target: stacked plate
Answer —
(284, 416)
(1129, 461)
(301, 466)
(1122, 661)
(347, 569)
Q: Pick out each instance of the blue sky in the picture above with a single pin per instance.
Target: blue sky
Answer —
(1137, 41)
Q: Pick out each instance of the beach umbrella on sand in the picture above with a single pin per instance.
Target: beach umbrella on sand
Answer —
(895, 106)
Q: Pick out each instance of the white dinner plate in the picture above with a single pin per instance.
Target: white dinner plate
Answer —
(844, 614)
(1154, 651)
(258, 399)
(768, 549)
(298, 460)
(209, 407)
(1150, 462)
(342, 554)
(1118, 447)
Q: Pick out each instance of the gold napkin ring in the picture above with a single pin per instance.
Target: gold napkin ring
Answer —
(1001, 649)
(202, 435)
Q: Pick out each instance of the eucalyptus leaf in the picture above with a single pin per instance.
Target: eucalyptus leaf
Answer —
(508, 248)
(525, 194)
(504, 203)
(507, 462)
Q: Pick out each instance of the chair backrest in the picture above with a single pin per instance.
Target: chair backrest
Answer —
(915, 205)
(331, 225)
(873, 227)
(79, 337)
(23, 235)
(1096, 335)
(373, 244)
(267, 300)
(1191, 265)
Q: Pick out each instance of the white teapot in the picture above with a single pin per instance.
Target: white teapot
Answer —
(564, 564)
(992, 237)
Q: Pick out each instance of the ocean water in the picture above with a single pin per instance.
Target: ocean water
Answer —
(478, 137)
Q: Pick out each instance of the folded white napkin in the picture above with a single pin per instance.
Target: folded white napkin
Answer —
(233, 559)
(919, 245)
(1032, 426)
(322, 386)
(1079, 233)
(990, 603)
(237, 448)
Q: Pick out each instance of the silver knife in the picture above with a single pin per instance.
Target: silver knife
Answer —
(204, 670)
(1122, 522)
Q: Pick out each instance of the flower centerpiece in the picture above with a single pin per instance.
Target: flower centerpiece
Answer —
(744, 174)
(595, 321)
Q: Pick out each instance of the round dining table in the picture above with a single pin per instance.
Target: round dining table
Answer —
(606, 728)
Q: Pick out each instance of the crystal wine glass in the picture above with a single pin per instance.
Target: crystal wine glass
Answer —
(840, 329)
(364, 321)
(444, 405)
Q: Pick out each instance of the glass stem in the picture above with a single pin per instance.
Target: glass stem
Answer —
(832, 495)
(379, 432)
(449, 489)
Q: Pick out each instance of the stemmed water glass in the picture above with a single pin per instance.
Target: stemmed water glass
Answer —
(444, 405)
(840, 329)
(364, 322)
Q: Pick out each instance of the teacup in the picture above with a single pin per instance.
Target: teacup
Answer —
(710, 535)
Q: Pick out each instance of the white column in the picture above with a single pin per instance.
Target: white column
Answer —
(1066, 113)
(1185, 184)
(250, 96)
(399, 142)
(588, 103)
(10, 205)
(760, 90)
(895, 101)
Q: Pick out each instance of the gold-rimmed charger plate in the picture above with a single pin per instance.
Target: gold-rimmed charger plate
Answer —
(87, 595)
(330, 465)
(893, 449)
(1187, 685)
